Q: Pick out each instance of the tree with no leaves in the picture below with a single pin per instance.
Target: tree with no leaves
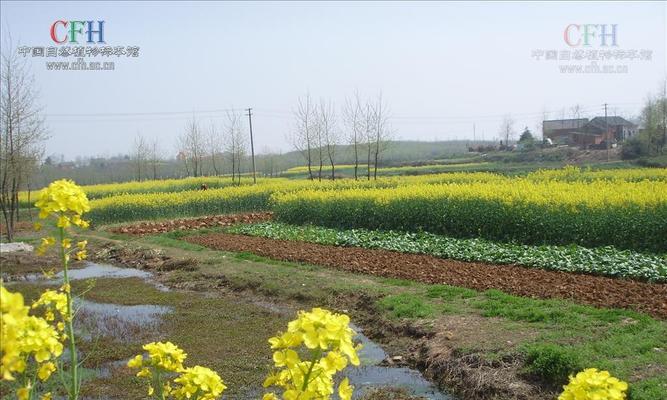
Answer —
(507, 129)
(368, 124)
(140, 154)
(381, 131)
(191, 147)
(214, 143)
(236, 143)
(155, 156)
(353, 121)
(22, 133)
(304, 135)
(329, 134)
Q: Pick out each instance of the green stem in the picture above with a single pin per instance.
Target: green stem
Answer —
(316, 356)
(74, 366)
(158, 385)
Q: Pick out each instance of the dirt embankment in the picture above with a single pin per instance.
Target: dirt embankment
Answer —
(593, 290)
(151, 228)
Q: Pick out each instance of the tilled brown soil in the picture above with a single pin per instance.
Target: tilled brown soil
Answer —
(598, 291)
(150, 228)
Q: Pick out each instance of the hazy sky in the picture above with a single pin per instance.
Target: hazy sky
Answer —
(440, 66)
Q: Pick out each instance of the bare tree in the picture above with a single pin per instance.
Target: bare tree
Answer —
(329, 133)
(191, 147)
(155, 156)
(507, 129)
(319, 145)
(23, 132)
(539, 125)
(576, 110)
(236, 143)
(382, 131)
(140, 154)
(214, 143)
(662, 99)
(303, 137)
(353, 121)
(368, 124)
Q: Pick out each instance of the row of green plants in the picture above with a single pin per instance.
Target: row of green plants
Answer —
(628, 215)
(606, 261)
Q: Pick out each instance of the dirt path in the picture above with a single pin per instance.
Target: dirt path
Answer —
(535, 283)
(152, 228)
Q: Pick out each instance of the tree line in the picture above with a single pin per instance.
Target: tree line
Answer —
(318, 132)
(200, 150)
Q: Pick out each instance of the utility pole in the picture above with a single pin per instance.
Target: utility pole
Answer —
(606, 127)
(252, 145)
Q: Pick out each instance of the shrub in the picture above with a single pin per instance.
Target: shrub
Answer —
(551, 362)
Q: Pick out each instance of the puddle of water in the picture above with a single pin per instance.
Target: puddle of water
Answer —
(371, 375)
(94, 270)
(117, 321)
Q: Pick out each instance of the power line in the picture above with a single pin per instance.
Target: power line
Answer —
(274, 113)
(130, 114)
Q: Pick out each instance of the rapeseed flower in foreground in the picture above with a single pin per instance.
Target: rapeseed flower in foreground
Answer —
(168, 378)
(65, 200)
(29, 344)
(591, 384)
(63, 203)
(328, 339)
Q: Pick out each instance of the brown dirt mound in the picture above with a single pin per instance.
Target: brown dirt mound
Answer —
(598, 291)
(151, 228)
(142, 258)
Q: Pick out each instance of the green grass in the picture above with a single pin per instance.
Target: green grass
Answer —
(406, 306)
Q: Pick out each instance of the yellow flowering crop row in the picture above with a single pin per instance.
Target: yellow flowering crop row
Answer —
(151, 186)
(620, 213)
(216, 182)
(131, 207)
(573, 174)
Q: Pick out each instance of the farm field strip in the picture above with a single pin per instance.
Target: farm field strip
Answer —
(529, 282)
(569, 174)
(606, 261)
(142, 206)
(631, 215)
(626, 214)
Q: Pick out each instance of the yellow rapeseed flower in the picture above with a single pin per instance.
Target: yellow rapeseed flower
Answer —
(198, 382)
(591, 384)
(329, 339)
